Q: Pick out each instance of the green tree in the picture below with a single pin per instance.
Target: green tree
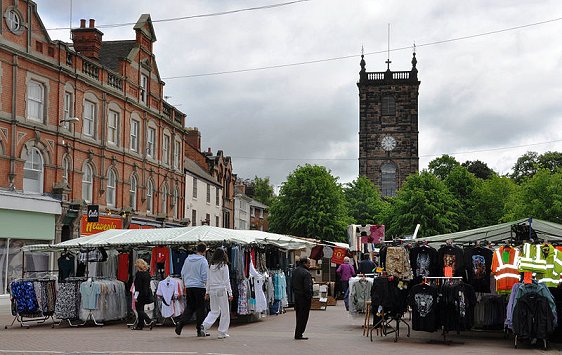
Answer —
(525, 167)
(479, 169)
(442, 166)
(260, 189)
(462, 184)
(364, 202)
(539, 196)
(493, 199)
(551, 161)
(310, 204)
(423, 199)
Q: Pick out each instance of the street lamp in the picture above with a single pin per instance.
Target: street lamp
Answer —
(70, 119)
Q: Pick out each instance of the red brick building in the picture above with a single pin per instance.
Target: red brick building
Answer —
(87, 124)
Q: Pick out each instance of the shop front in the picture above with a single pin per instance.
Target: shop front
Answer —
(25, 220)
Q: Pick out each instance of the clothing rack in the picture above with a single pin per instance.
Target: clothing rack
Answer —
(39, 316)
(443, 331)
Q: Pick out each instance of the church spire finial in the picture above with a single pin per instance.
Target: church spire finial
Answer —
(414, 60)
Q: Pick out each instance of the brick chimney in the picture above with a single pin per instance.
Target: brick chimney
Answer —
(87, 40)
(194, 138)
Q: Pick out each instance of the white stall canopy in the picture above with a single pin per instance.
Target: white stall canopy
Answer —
(115, 238)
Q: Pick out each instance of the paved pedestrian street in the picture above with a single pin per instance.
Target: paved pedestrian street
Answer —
(331, 332)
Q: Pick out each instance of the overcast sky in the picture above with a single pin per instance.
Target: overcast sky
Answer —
(485, 97)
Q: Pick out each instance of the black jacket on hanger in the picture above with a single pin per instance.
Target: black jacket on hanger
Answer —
(532, 317)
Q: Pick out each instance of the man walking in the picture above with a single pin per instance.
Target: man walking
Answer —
(302, 287)
(194, 276)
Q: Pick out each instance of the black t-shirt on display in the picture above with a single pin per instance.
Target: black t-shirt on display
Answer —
(423, 260)
(449, 255)
(478, 263)
(423, 300)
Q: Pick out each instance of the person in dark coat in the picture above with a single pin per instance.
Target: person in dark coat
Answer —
(366, 266)
(143, 294)
(302, 288)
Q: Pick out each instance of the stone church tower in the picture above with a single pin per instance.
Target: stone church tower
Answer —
(388, 126)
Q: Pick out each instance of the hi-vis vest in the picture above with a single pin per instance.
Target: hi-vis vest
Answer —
(506, 273)
(547, 265)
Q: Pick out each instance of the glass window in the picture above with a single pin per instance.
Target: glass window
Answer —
(194, 187)
(208, 219)
(193, 217)
(113, 127)
(67, 109)
(33, 172)
(164, 208)
(150, 142)
(388, 106)
(149, 194)
(14, 21)
(166, 150)
(208, 193)
(177, 151)
(217, 197)
(111, 187)
(11, 255)
(35, 101)
(388, 179)
(67, 169)
(217, 221)
(133, 192)
(87, 183)
(144, 89)
(89, 118)
(134, 135)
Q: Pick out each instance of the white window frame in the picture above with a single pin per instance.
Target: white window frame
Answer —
(111, 190)
(144, 89)
(89, 120)
(34, 165)
(166, 149)
(177, 150)
(87, 183)
(149, 197)
(217, 190)
(133, 192)
(176, 201)
(113, 127)
(150, 142)
(36, 101)
(135, 126)
(194, 188)
(67, 106)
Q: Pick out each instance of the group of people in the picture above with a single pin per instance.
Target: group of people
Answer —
(202, 282)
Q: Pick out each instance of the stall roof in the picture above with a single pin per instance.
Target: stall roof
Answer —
(545, 230)
(174, 236)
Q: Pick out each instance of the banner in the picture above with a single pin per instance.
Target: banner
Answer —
(93, 213)
(339, 254)
(103, 224)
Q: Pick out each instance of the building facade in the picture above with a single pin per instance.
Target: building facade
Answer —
(388, 126)
(249, 213)
(85, 124)
(203, 196)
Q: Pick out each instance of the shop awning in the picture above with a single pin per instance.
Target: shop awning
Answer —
(177, 236)
(545, 230)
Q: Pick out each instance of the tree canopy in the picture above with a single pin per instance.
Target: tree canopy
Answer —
(441, 167)
(260, 189)
(364, 202)
(479, 169)
(311, 203)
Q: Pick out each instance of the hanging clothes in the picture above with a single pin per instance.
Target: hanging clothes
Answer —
(123, 267)
(398, 263)
(451, 256)
(423, 299)
(259, 281)
(423, 259)
(478, 261)
(504, 268)
(66, 266)
(168, 291)
(160, 261)
(545, 260)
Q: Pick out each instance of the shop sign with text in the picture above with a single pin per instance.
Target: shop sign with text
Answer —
(103, 224)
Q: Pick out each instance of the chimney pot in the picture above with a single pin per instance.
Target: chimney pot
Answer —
(209, 150)
(83, 23)
(92, 23)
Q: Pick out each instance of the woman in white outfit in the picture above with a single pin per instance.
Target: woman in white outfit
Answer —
(220, 292)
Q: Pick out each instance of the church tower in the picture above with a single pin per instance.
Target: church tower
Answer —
(388, 126)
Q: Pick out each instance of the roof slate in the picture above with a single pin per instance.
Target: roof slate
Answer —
(112, 51)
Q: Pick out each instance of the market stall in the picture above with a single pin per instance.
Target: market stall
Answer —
(109, 255)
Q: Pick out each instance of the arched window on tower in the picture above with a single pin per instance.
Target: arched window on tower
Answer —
(388, 179)
(388, 106)
(33, 172)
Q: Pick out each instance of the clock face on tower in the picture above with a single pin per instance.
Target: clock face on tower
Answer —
(388, 143)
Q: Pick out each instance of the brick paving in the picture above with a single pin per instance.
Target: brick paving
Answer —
(331, 332)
